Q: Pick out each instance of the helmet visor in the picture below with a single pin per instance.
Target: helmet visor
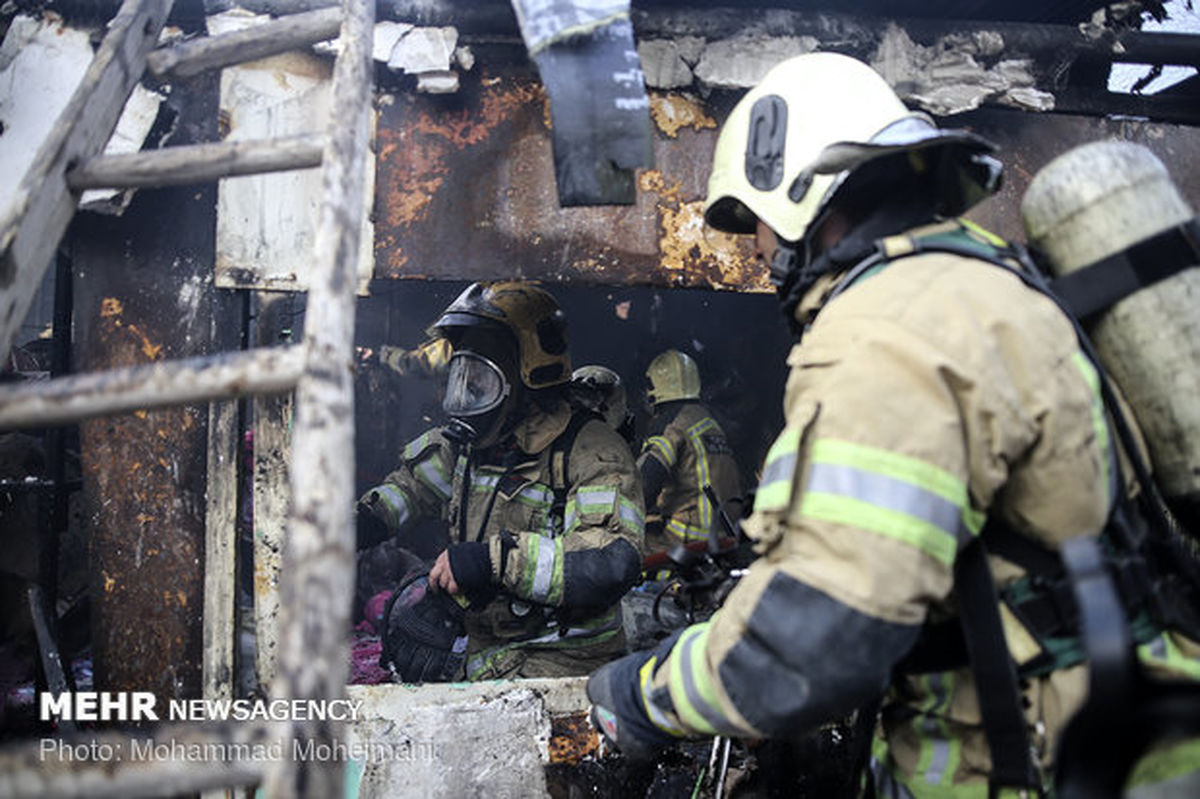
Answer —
(474, 385)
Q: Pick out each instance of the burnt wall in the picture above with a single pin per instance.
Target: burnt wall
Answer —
(144, 293)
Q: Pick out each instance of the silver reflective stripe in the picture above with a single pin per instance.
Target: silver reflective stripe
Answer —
(396, 504)
(544, 576)
(780, 468)
(628, 512)
(588, 498)
(889, 493)
(932, 730)
(428, 471)
(479, 480)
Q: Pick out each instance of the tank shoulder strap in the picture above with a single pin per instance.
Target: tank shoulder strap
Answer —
(560, 461)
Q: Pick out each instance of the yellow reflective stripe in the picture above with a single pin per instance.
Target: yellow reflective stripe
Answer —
(872, 463)
(917, 533)
(692, 691)
(685, 532)
(656, 716)
(663, 446)
(775, 487)
(532, 549)
(1164, 652)
(703, 478)
(1099, 422)
(892, 464)
(985, 234)
(940, 752)
(1166, 763)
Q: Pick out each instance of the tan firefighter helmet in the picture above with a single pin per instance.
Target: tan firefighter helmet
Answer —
(673, 376)
(533, 317)
(791, 140)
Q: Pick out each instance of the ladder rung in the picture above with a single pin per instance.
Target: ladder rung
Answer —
(270, 38)
(269, 370)
(197, 163)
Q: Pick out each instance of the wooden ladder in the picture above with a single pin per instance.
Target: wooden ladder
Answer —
(316, 580)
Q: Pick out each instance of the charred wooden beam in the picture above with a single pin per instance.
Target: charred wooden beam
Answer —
(317, 581)
(43, 204)
(159, 385)
(196, 163)
(271, 38)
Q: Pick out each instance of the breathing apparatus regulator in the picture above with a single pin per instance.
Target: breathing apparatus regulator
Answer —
(824, 132)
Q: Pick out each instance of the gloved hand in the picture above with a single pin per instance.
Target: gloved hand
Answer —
(471, 565)
(425, 639)
(617, 710)
(370, 529)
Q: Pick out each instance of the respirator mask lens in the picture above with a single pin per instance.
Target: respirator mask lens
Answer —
(474, 385)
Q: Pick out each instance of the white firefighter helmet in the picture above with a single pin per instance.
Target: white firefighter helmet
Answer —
(601, 390)
(792, 139)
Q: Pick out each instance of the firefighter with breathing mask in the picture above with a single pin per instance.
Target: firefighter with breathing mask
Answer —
(933, 390)
(542, 500)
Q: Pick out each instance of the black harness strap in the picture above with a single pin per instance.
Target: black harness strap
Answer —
(1093, 288)
(995, 674)
(560, 463)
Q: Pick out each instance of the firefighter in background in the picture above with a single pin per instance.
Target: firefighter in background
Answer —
(685, 451)
(930, 391)
(543, 505)
(600, 390)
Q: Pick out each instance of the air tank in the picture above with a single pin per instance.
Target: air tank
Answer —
(1096, 200)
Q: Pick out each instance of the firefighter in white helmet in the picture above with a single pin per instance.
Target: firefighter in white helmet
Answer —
(932, 391)
(543, 503)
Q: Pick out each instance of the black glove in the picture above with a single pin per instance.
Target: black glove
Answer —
(471, 565)
(425, 639)
(370, 528)
(617, 712)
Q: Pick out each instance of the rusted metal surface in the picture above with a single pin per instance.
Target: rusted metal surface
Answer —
(465, 191)
(1027, 142)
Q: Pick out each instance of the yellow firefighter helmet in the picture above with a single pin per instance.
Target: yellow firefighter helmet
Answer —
(673, 376)
(529, 313)
(792, 139)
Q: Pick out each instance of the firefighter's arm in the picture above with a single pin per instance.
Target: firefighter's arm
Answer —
(598, 556)
(859, 517)
(660, 452)
(418, 488)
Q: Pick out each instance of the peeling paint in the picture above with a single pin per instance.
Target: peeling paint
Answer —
(672, 111)
(687, 245)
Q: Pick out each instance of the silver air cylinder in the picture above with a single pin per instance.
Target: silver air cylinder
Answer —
(1087, 204)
